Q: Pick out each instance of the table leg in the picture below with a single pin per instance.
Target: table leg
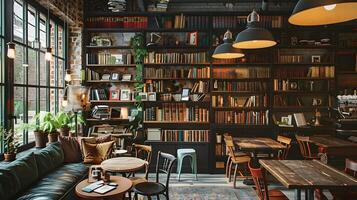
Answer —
(254, 163)
(297, 194)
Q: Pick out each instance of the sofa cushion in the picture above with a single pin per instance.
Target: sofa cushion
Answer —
(18, 175)
(49, 158)
(71, 149)
(96, 153)
(57, 183)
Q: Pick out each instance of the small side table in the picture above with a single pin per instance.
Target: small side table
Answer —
(124, 185)
(181, 154)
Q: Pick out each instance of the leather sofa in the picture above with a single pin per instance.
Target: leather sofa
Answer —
(41, 174)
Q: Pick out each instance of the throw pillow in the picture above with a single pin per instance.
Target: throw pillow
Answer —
(71, 149)
(96, 153)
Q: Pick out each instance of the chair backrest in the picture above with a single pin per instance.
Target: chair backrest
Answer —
(258, 176)
(164, 165)
(351, 167)
(304, 144)
(283, 154)
(144, 152)
(229, 145)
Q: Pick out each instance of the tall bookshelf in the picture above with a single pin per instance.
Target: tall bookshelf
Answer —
(244, 97)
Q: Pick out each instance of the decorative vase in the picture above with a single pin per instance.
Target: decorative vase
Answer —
(52, 137)
(8, 157)
(40, 139)
(64, 131)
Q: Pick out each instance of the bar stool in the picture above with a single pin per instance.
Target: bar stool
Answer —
(181, 154)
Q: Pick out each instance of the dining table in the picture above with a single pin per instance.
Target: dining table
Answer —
(308, 175)
(330, 146)
(123, 165)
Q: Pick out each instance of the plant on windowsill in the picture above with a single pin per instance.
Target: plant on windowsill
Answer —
(35, 126)
(63, 120)
(11, 144)
(140, 52)
(49, 125)
(72, 124)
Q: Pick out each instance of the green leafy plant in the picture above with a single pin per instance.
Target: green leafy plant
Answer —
(140, 52)
(63, 119)
(80, 120)
(11, 140)
(33, 125)
(49, 123)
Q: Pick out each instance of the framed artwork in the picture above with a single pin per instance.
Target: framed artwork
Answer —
(185, 94)
(152, 96)
(315, 59)
(115, 76)
(126, 77)
(125, 95)
(118, 58)
(144, 96)
(193, 38)
(114, 95)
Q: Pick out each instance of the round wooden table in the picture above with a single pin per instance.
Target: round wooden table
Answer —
(124, 186)
(123, 165)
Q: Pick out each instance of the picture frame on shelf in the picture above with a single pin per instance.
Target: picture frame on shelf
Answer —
(126, 77)
(193, 38)
(124, 113)
(125, 95)
(119, 58)
(106, 77)
(143, 96)
(316, 59)
(115, 76)
(152, 96)
(185, 96)
(114, 95)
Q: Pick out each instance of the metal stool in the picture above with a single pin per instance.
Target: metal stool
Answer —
(181, 154)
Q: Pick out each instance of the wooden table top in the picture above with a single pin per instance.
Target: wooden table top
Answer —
(124, 185)
(258, 143)
(123, 164)
(328, 141)
(308, 174)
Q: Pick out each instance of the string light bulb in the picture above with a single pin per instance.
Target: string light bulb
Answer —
(11, 50)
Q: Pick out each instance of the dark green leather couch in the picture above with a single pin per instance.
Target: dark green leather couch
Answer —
(41, 175)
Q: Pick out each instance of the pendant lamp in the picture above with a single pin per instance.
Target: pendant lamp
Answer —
(323, 12)
(226, 50)
(254, 37)
(48, 54)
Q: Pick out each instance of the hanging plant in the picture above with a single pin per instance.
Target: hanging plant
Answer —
(140, 52)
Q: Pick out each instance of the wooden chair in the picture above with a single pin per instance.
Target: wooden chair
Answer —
(235, 159)
(283, 154)
(164, 165)
(144, 152)
(259, 179)
(305, 147)
(237, 153)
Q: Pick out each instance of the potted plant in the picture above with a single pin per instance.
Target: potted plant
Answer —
(72, 125)
(63, 121)
(35, 126)
(49, 125)
(12, 143)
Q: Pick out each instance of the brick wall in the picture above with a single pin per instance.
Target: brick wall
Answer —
(75, 21)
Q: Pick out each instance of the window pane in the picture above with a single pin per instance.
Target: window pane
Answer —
(18, 21)
(43, 99)
(19, 68)
(60, 98)
(19, 108)
(1, 61)
(53, 76)
(32, 68)
(43, 70)
(53, 100)
(52, 35)
(60, 73)
(60, 42)
(31, 109)
(31, 30)
(43, 31)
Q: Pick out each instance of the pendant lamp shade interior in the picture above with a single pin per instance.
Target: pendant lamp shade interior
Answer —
(323, 12)
(254, 37)
(226, 50)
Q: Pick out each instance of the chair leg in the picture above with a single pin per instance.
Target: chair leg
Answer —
(230, 172)
(167, 195)
(194, 165)
(235, 176)
(129, 194)
(149, 197)
(158, 197)
(227, 164)
(135, 196)
(179, 166)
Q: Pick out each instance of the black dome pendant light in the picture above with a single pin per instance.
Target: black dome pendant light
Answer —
(226, 50)
(323, 12)
(254, 37)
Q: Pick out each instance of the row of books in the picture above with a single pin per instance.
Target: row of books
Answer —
(92, 75)
(182, 21)
(237, 73)
(238, 101)
(117, 22)
(99, 94)
(176, 112)
(242, 117)
(241, 21)
(173, 72)
(301, 85)
(106, 58)
(200, 87)
(291, 59)
(313, 72)
(239, 86)
(182, 135)
(280, 100)
(172, 58)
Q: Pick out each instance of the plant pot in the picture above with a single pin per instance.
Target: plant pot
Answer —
(40, 139)
(52, 137)
(64, 131)
(8, 157)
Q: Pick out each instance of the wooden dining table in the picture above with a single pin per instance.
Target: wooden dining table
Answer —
(123, 165)
(308, 175)
(330, 146)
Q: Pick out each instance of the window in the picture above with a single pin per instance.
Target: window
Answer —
(37, 83)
